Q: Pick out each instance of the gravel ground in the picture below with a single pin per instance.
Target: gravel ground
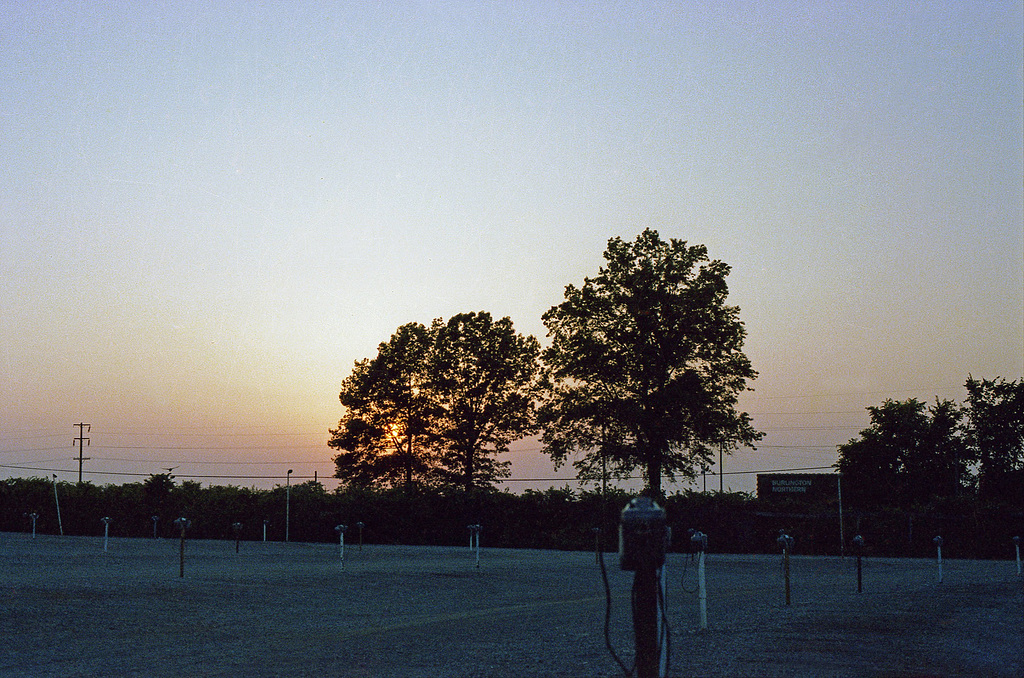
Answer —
(67, 608)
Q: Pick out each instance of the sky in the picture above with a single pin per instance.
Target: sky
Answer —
(209, 211)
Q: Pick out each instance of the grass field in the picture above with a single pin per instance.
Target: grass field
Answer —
(67, 608)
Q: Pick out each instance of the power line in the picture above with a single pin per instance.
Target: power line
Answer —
(759, 414)
(279, 477)
(812, 428)
(247, 434)
(212, 463)
(35, 449)
(189, 448)
(857, 393)
(8, 438)
(128, 473)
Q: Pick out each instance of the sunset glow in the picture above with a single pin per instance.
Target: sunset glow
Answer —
(208, 213)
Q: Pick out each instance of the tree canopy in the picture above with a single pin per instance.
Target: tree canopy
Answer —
(646, 364)
(437, 405)
(917, 455)
(385, 435)
(995, 411)
(910, 454)
(482, 375)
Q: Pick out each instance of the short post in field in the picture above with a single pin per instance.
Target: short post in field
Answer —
(938, 549)
(237, 527)
(34, 516)
(340, 529)
(56, 500)
(644, 537)
(360, 525)
(1016, 546)
(288, 504)
(106, 531)
(474, 540)
(858, 547)
(156, 519)
(265, 523)
(182, 524)
(699, 541)
(786, 542)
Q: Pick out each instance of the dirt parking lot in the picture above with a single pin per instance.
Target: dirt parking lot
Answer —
(67, 608)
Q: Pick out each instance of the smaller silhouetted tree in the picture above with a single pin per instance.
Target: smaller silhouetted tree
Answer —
(995, 415)
(385, 435)
(437, 405)
(482, 377)
(910, 454)
(156, 492)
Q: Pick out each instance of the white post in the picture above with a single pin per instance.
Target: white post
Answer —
(265, 529)
(340, 529)
(35, 515)
(1016, 545)
(938, 547)
(287, 503)
(57, 501)
(842, 537)
(786, 542)
(699, 541)
(106, 532)
(662, 630)
(474, 540)
(182, 524)
(702, 591)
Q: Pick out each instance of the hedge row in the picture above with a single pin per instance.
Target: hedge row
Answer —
(553, 519)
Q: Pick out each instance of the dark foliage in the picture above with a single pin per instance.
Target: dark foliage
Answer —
(995, 410)
(909, 456)
(553, 519)
(384, 436)
(437, 405)
(914, 457)
(646, 364)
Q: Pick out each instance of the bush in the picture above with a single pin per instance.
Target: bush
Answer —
(558, 518)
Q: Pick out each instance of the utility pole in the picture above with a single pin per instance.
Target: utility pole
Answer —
(81, 428)
(721, 467)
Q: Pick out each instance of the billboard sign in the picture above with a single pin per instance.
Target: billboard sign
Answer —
(799, 486)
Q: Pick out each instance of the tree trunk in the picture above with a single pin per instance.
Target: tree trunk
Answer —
(467, 471)
(654, 477)
(408, 462)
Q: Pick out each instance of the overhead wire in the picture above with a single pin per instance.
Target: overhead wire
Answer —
(214, 432)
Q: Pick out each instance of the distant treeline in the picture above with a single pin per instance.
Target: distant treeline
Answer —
(554, 519)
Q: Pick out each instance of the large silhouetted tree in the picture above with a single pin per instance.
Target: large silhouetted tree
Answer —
(384, 436)
(646, 364)
(482, 378)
